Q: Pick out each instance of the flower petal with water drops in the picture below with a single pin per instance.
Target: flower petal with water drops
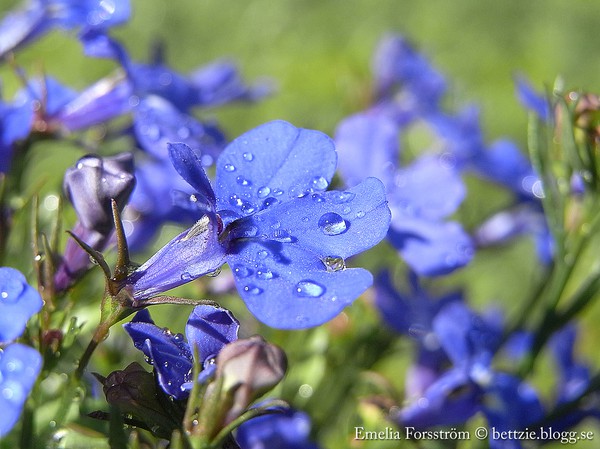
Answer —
(18, 302)
(209, 329)
(275, 161)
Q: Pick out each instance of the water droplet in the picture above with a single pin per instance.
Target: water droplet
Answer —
(305, 219)
(241, 272)
(265, 274)
(178, 337)
(277, 192)
(360, 214)
(185, 276)
(166, 364)
(253, 289)
(343, 197)
(346, 210)
(229, 167)
(193, 198)
(317, 198)
(243, 181)
(270, 202)
(215, 273)
(309, 289)
(334, 263)
(263, 192)
(248, 157)
(281, 235)
(247, 207)
(319, 183)
(262, 254)
(332, 224)
(235, 200)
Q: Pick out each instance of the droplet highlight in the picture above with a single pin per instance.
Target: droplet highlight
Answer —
(332, 224)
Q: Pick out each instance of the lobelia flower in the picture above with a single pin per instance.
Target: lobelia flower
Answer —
(38, 17)
(19, 364)
(208, 330)
(412, 315)
(283, 429)
(471, 385)
(91, 186)
(272, 221)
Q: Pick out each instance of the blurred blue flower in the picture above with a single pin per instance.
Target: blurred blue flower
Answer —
(283, 429)
(37, 17)
(19, 364)
(532, 100)
(208, 329)
(471, 385)
(18, 302)
(15, 123)
(412, 314)
(272, 221)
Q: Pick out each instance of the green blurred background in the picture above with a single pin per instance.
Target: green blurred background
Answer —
(318, 53)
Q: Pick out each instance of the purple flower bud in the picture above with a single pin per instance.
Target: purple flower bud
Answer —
(249, 368)
(93, 182)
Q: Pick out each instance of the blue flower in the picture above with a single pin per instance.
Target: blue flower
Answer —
(208, 329)
(429, 244)
(15, 124)
(532, 100)
(284, 429)
(18, 302)
(272, 221)
(19, 364)
(471, 385)
(40, 16)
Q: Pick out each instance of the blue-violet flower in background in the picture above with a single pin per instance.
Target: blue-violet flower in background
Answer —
(19, 364)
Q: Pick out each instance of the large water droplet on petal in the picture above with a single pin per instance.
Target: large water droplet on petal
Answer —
(334, 263)
(332, 224)
(342, 197)
(253, 289)
(265, 274)
(309, 289)
(270, 202)
(262, 254)
(319, 183)
(248, 157)
(281, 235)
(229, 167)
(263, 192)
(185, 276)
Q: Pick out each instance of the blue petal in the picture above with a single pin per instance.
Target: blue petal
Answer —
(170, 355)
(191, 254)
(531, 99)
(22, 26)
(18, 302)
(15, 124)
(429, 188)
(275, 160)
(450, 400)
(220, 82)
(368, 145)
(461, 134)
(285, 429)
(431, 248)
(19, 368)
(188, 165)
(209, 329)
(157, 122)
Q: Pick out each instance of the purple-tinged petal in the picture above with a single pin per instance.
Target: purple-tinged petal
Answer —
(170, 355)
(398, 67)
(368, 145)
(104, 100)
(510, 404)
(284, 429)
(19, 367)
(431, 248)
(209, 329)
(428, 189)
(193, 253)
(21, 27)
(189, 166)
(531, 99)
(504, 164)
(220, 82)
(275, 160)
(18, 302)
(157, 123)
(450, 400)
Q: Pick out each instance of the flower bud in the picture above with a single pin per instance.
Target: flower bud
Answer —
(93, 182)
(249, 368)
